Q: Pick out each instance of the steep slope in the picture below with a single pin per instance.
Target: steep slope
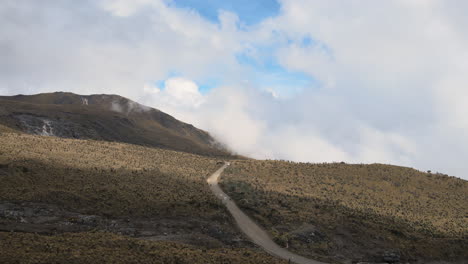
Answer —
(103, 117)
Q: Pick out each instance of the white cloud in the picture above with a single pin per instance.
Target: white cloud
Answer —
(124, 8)
(177, 93)
(398, 67)
(116, 107)
(97, 46)
(183, 91)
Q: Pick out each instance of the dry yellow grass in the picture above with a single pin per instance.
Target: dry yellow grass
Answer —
(5, 129)
(318, 210)
(363, 205)
(110, 248)
(424, 200)
(113, 179)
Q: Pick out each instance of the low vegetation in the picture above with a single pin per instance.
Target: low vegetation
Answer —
(331, 212)
(331, 209)
(127, 184)
(104, 178)
(110, 248)
(5, 129)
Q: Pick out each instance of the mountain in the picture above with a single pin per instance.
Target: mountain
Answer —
(115, 202)
(103, 199)
(104, 117)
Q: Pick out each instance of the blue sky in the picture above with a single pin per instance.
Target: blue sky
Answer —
(267, 73)
(264, 72)
(249, 12)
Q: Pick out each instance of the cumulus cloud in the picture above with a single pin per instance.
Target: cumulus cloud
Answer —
(259, 125)
(101, 46)
(175, 95)
(389, 77)
(393, 73)
(124, 8)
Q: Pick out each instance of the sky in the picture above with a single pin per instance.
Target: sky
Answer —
(304, 80)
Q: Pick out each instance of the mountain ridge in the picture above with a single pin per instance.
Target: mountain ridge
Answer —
(104, 117)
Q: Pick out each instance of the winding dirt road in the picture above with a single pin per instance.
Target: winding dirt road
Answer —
(250, 228)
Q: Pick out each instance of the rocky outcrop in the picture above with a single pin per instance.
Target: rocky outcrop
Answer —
(50, 219)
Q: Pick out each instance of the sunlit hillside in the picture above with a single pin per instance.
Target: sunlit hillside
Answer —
(336, 208)
(55, 187)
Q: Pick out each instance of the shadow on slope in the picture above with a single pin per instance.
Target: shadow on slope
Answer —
(321, 226)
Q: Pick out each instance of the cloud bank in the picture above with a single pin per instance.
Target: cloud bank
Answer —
(389, 79)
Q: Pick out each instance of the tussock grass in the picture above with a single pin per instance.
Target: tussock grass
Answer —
(111, 179)
(364, 205)
(5, 129)
(111, 248)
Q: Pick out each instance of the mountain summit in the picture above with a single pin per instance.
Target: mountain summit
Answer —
(104, 117)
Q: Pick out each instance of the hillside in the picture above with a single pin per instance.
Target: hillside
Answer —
(103, 117)
(100, 247)
(80, 200)
(114, 195)
(106, 178)
(339, 211)
(106, 197)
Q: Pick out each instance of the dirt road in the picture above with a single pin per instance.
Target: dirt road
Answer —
(250, 228)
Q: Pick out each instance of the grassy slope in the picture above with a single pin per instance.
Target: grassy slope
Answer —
(5, 129)
(110, 248)
(355, 210)
(346, 210)
(112, 180)
(105, 178)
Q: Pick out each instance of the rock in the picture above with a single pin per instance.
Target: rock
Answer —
(391, 257)
(88, 220)
(311, 237)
